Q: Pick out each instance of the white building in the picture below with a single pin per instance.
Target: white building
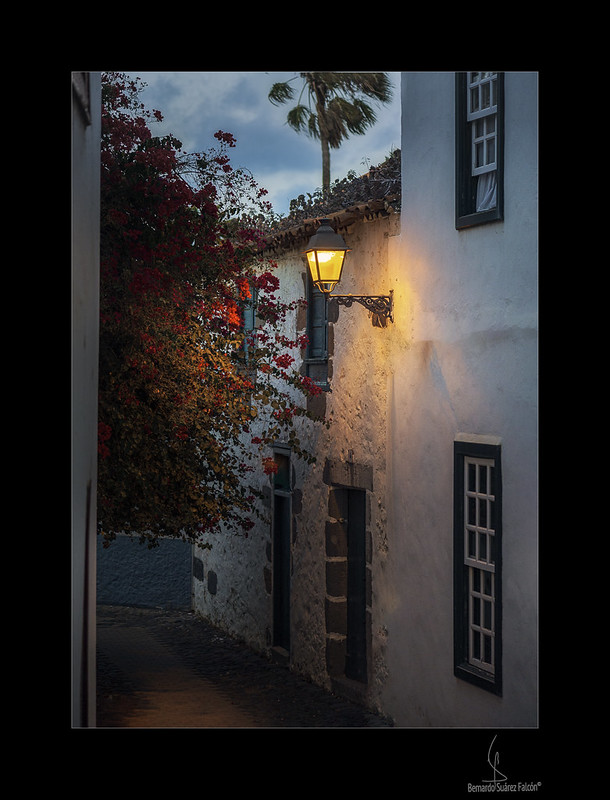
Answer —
(402, 568)
(86, 135)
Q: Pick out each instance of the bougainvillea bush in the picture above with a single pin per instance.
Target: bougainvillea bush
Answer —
(182, 380)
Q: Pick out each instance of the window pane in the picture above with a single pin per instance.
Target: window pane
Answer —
(483, 513)
(482, 547)
(472, 549)
(474, 99)
(476, 580)
(487, 649)
(472, 486)
(248, 316)
(317, 329)
(483, 479)
(479, 158)
(472, 511)
(487, 615)
(281, 480)
(476, 645)
(491, 151)
(476, 611)
(486, 95)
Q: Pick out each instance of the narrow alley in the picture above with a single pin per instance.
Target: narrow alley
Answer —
(170, 669)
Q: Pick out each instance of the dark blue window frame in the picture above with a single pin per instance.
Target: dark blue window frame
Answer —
(466, 215)
(316, 360)
(462, 668)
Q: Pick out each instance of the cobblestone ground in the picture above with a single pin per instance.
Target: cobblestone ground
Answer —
(170, 669)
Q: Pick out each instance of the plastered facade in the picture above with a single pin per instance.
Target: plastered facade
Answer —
(459, 360)
(350, 453)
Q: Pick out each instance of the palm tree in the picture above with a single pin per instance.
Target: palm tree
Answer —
(336, 107)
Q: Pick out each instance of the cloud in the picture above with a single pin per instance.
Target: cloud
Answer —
(197, 104)
(286, 184)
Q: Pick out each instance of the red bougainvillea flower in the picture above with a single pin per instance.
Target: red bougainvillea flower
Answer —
(181, 249)
(270, 466)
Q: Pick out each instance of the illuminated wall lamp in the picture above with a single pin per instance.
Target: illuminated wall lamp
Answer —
(326, 255)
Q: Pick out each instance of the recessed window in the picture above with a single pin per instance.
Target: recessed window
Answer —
(477, 580)
(282, 516)
(479, 148)
(316, 360)
(250, 324)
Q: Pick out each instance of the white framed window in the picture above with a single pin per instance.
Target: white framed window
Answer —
(477, 580)
(482, 94)
(482, 118)
(479, 559)
(484, 145)
(479, 147)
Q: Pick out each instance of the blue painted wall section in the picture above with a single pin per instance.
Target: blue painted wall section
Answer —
(129, 574)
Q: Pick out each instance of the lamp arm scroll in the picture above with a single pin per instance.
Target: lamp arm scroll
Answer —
(381, 306)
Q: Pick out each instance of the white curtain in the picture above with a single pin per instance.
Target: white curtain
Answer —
(486, 191)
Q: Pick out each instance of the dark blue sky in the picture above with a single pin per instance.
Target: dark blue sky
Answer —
(197, 104)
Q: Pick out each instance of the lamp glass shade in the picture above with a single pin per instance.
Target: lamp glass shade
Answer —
(325, 256)
(325, 267)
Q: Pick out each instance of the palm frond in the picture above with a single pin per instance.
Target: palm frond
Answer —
(280, 93)
(344, 117)
(299, 118)
(375, 85)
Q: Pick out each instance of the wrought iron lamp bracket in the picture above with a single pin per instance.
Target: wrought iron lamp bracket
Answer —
(380, 306)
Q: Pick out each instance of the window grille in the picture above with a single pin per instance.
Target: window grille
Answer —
(477, 564)
(479, 559)
(479, 148)
(482, 111)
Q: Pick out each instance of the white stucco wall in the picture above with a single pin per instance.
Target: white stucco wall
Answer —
(357, 408)
(232, 592)
(85, 313)
(467, 316)
(460, 358)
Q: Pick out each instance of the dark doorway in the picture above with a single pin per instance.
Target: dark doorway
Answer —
(355, 658)
(347, 579)
(282, 515)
